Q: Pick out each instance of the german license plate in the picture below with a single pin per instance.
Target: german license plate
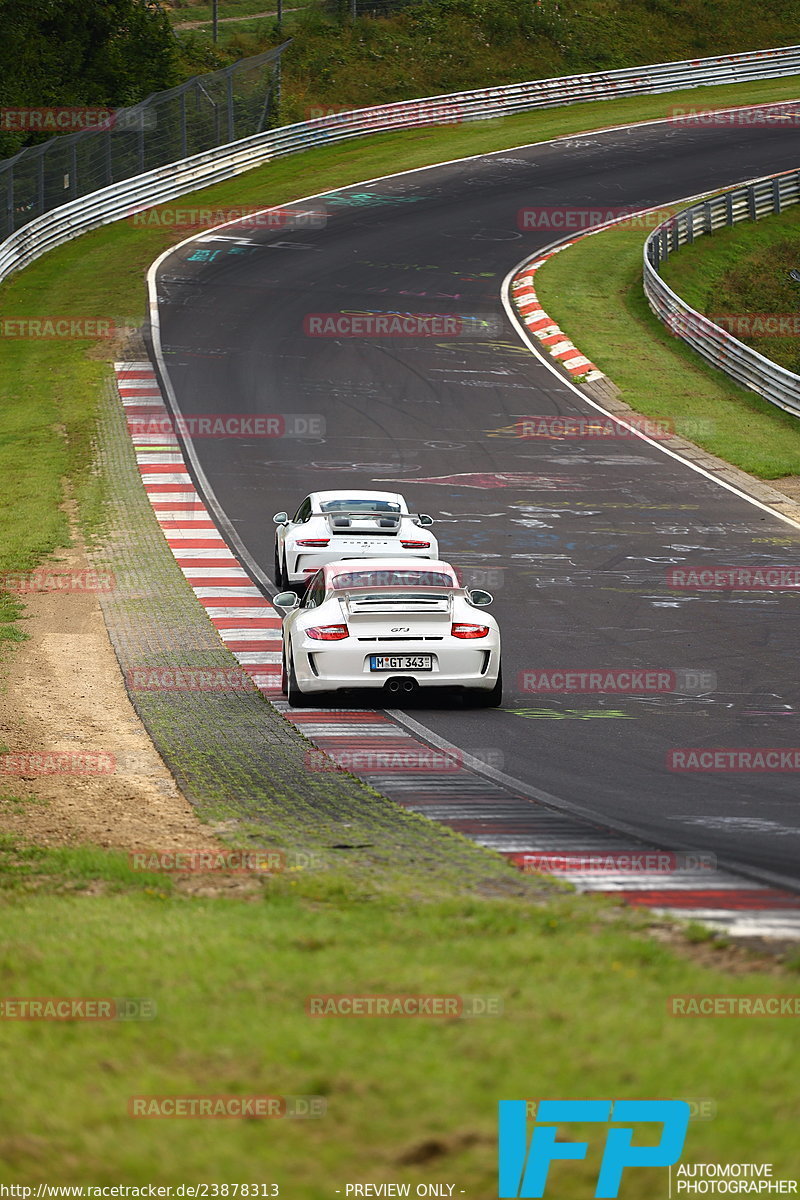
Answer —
(400, 662)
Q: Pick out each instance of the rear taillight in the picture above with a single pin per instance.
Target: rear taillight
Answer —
(313, 541)
(327, 633)
(409, 544)
(461, 629)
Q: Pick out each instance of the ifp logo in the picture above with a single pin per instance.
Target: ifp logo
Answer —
(524, 1169)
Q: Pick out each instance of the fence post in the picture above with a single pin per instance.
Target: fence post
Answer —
(9, 200)
(40, 184)
(184, 144)
(751, 202)
(229, 89)
(729, 209)
(776, 196)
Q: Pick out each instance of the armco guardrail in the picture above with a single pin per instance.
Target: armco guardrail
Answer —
(764, 197)
(165, 183)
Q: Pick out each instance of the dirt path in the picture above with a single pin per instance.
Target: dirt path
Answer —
(62, 691)
(227, 20)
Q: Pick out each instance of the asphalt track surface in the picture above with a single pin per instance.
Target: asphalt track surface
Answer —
(575, 536)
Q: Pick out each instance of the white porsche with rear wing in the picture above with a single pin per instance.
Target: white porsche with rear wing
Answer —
(392, 626)
(334, 525)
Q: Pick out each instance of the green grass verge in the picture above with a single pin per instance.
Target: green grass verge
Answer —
(594, 291)
(584, 993)
(745, 270)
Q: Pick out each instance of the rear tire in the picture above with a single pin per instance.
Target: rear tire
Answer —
(296, 698)
(493, 698)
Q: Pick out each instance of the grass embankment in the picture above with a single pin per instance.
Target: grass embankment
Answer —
(745, 270)
(594, 291)
(584, 998)
(451, 45)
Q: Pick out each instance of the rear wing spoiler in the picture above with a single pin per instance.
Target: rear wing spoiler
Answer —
(343, 519)
(360, 598)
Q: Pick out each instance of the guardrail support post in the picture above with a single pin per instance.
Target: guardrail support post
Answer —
(729, 209)
(776, 196)
(751, 202)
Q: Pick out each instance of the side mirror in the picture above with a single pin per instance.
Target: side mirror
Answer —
(480, 599)
(281, 518)
(285, 600)
(424, 520)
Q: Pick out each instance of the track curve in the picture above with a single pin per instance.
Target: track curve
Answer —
(581, 533)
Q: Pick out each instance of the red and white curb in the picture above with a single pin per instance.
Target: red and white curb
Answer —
(434, 783)
(543, 327)
(246, 622)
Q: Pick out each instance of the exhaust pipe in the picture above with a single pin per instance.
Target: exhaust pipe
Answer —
(401, 685)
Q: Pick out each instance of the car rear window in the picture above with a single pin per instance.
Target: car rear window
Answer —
(387, 506)
(400, 578)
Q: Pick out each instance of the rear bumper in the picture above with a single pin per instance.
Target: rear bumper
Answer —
(301, 567)
(323, 668)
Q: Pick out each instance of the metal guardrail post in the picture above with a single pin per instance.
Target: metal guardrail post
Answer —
(751, 202)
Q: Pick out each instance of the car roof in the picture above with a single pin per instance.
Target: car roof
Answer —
(345, 566)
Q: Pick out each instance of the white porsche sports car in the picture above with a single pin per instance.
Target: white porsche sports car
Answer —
(329, 526)
(392, 625)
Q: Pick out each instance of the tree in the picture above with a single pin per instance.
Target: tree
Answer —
(73, 52)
